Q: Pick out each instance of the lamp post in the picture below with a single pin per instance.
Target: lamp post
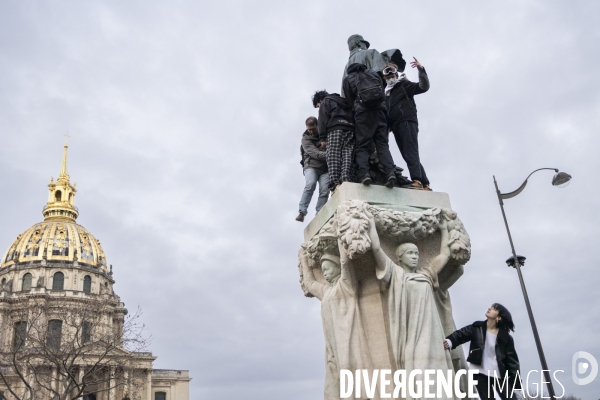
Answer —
(561, 179)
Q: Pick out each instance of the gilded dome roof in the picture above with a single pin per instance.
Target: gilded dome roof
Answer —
(54, 240)
(59, 237)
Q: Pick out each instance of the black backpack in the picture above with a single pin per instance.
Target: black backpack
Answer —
(369, 89)
(341, 102)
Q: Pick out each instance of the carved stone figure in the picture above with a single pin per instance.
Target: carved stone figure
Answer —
(40, 282)
(348, 266)
(415, 326)
(343, 328)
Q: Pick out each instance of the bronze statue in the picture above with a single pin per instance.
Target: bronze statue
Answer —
(374, 60)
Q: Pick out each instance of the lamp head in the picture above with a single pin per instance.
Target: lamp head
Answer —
(511, 261)
(561, 179)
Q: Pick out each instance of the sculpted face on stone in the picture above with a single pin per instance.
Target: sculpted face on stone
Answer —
(331, 269)
(407, 255)
(353, 227)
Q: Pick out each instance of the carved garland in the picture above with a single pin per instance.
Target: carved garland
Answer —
(350, 224)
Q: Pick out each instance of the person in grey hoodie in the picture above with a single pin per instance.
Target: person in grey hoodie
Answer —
(314, 164)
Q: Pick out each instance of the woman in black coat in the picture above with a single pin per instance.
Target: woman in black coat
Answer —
(492, 350)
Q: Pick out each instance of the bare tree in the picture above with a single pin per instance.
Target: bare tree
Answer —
(59, 348)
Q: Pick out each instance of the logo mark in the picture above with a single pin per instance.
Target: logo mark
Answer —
(582, 367)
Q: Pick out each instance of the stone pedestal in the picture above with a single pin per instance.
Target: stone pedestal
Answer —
(401, 215)
(396, 199)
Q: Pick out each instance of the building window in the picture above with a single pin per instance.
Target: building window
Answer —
(58, 195)
(60, 252)
(27, 281)
(160, 396)
(19, 334)
(86, 332)
(58, 281)
(54, 334)
(87, 284)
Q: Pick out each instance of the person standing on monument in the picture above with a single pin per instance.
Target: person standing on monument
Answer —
(364, 91)
(402, 118)
(314, 164)
(492, 352)
(336, 128)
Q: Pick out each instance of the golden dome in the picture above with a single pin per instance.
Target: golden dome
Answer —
(56, 240)
(59, 237)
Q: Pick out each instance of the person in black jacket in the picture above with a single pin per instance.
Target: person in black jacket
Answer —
(402, 118)
(370, 119)
(492, 352)
(336, 129)
(314, 165)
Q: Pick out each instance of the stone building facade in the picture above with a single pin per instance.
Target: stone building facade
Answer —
(54, 279)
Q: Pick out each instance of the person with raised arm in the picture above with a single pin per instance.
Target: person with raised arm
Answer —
(492, 353)
(402, 118)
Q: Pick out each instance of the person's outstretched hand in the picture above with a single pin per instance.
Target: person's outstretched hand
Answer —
(416, 64)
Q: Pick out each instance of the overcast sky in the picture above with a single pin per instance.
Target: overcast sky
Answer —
(185, 121)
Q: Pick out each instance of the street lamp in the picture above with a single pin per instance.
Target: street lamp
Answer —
(561, 179)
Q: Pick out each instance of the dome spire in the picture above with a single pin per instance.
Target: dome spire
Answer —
(63, 167)
(61, 196)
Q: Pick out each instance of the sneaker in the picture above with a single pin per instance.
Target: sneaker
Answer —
(300, 217)
(414, 185)
(366, 180)
(427, 188)
(391, 182)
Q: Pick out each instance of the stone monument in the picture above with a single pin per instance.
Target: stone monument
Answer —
(381, 262)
